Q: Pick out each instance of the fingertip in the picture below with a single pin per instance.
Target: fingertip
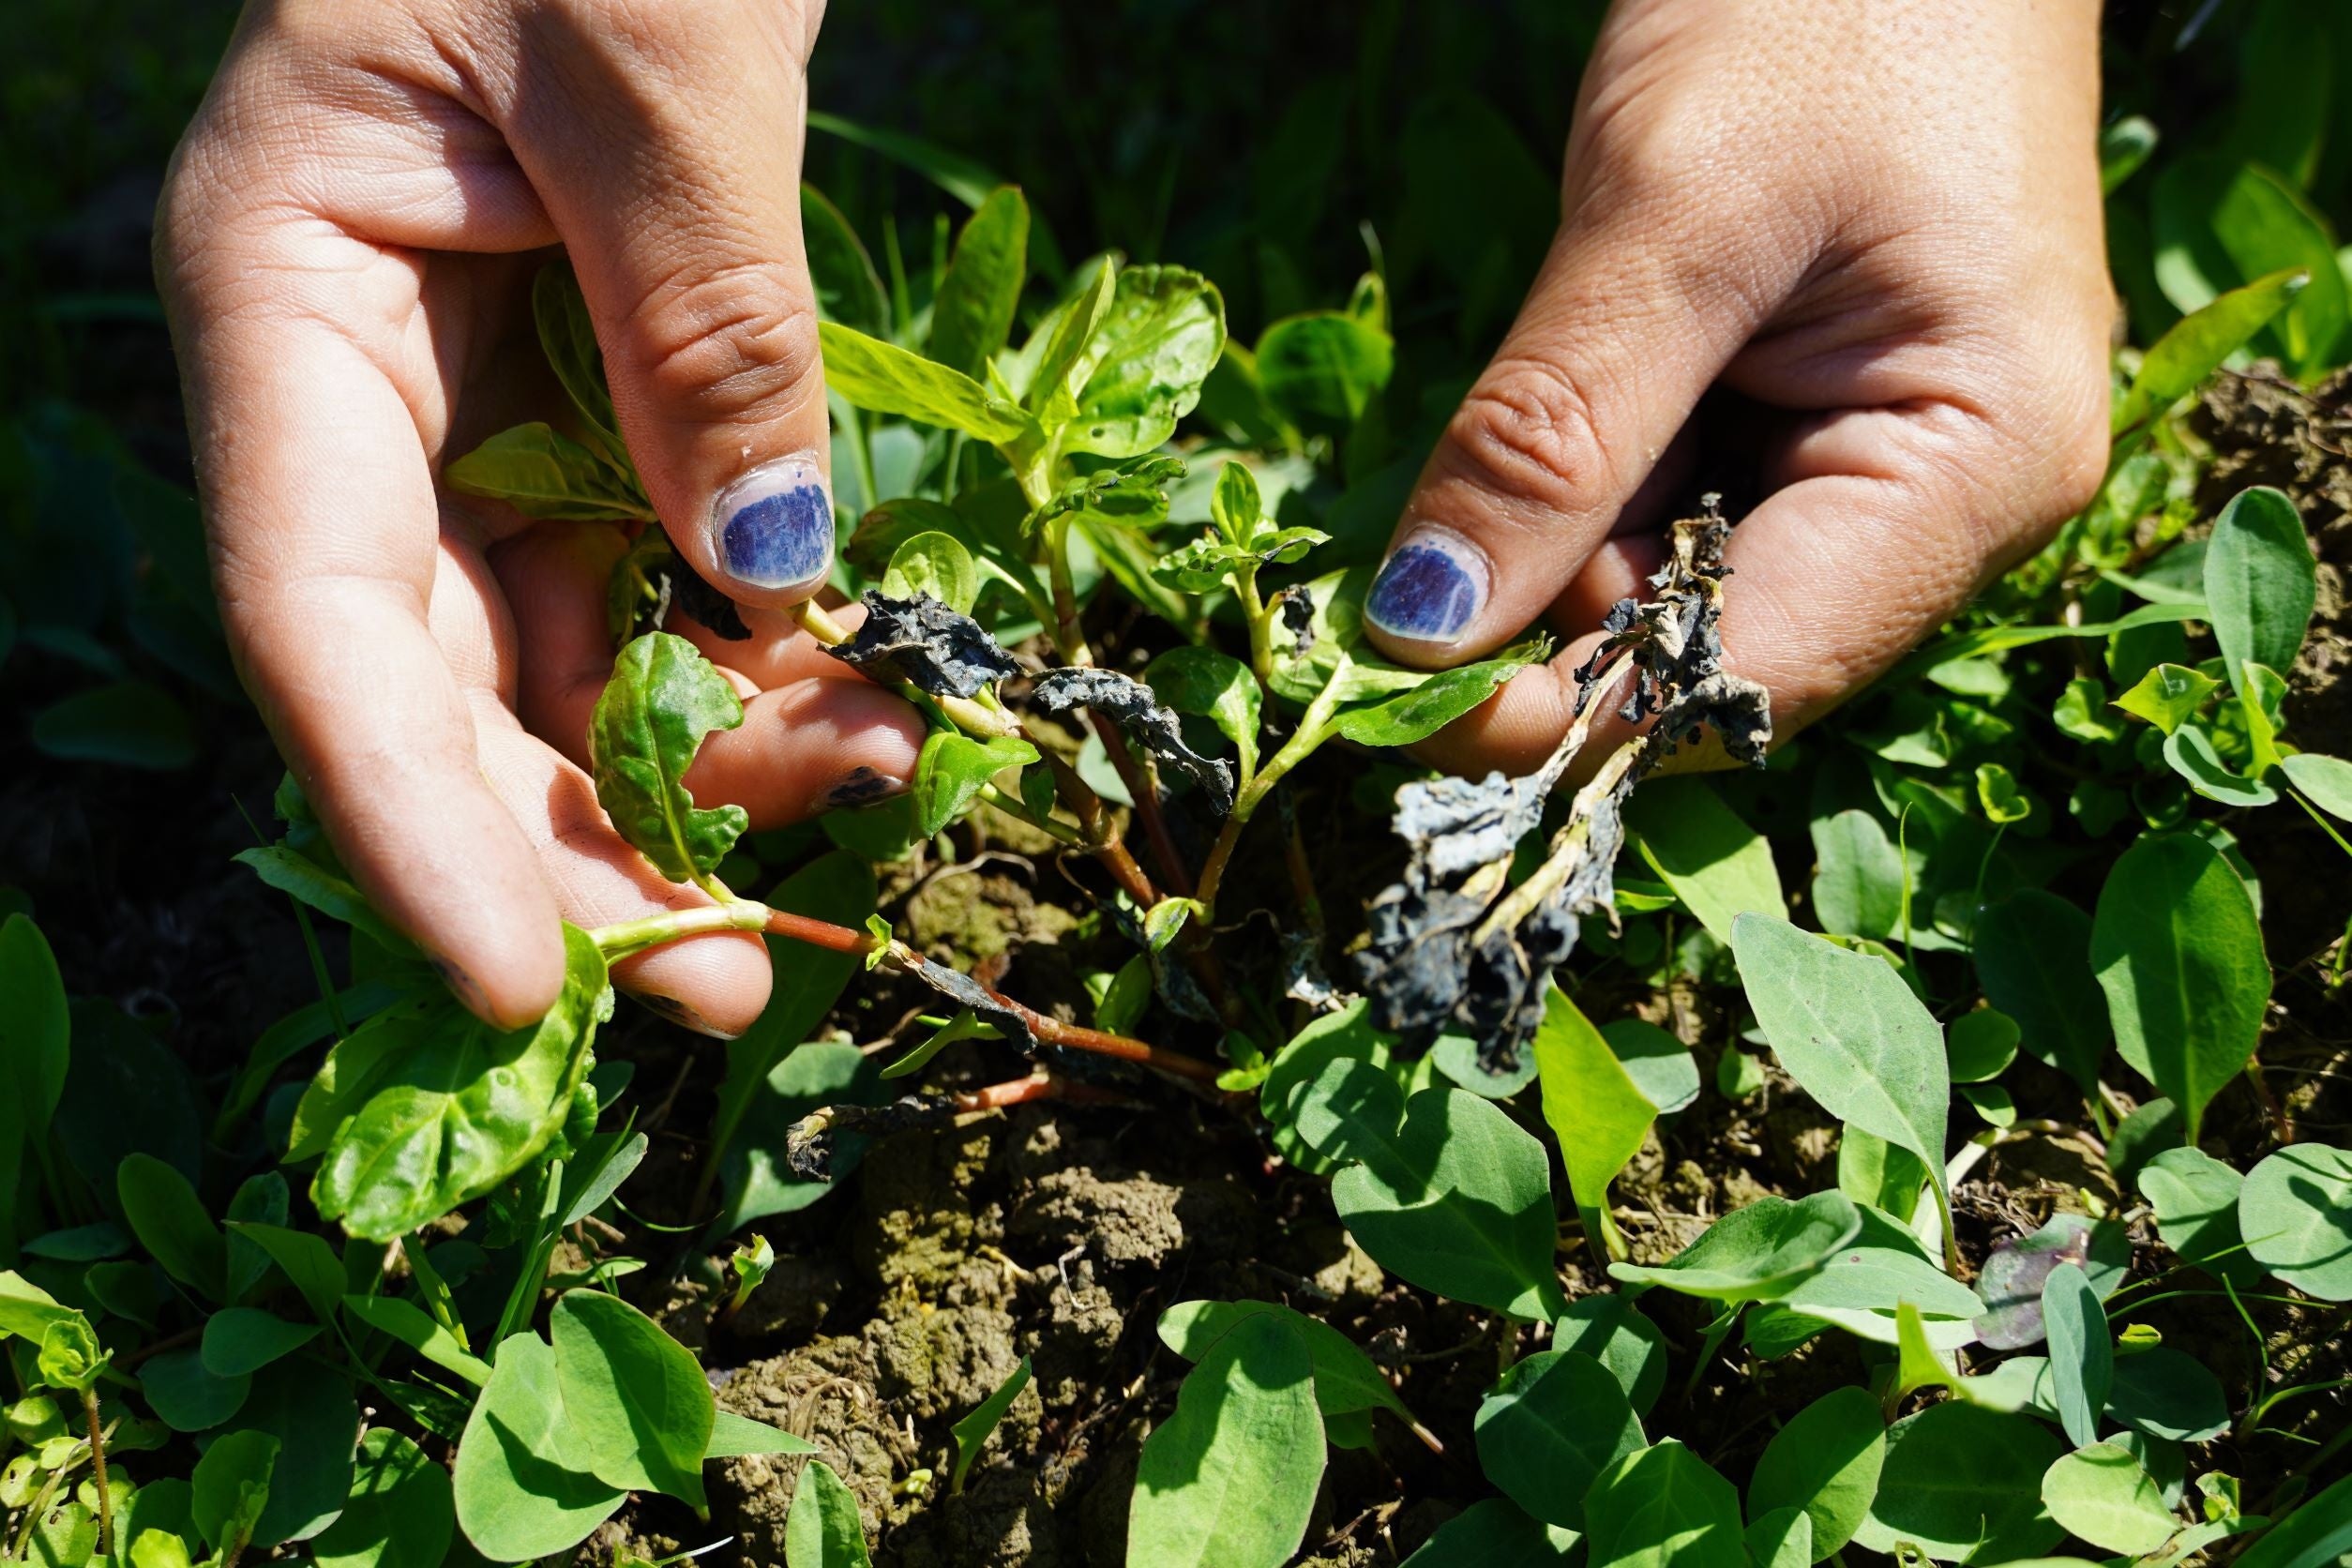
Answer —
(507, 976)
(809, 747)
(716, 984)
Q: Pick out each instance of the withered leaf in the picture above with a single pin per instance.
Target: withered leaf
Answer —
(1298, 619)
(810, 1143)
(965, 991)
(1142, 718)
(925, 643)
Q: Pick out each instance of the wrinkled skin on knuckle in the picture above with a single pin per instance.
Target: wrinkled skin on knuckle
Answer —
(732, 345)
(1527, 435)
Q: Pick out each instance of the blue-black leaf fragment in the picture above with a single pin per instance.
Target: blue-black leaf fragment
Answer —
(1144, 721)
(937, 649)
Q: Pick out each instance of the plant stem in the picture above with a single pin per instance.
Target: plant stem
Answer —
(1077, 1037)
(1069, 637)
(1034, 1087)
(1260, 621)
(1314, 730)
(1165, 859)
(1019, 810)
(1095, 822)
(98, 1468)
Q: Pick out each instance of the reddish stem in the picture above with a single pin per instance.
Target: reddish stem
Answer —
(1132, 773)
(1036, 1087)
(1120, 1046)
(820, 933)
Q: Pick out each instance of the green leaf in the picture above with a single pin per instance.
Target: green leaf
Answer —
(1595, 1110)
(2196, 1198)
(401, 1514)
(128, 723)
(1997, 793)
(1858, 879)
(309, 1409)
(2189, 751)
(2082, 1351)
(759, 1182)
(973, 312)
(1781, 1539)
(2219, 222)
(1661, 1065)
(408, 1323)
(734, 1437)
(331, 894)
(663, 699)
(2317, 1533)
(1825, 1461)
(1756, 1252)
(34, 1051)
(935, 564)
(837, 887)
(971, 1432)
(870, 373)
(2034, 958)
(1851, 1033)
(1051, 357)
(2101, 1493)
(1607, 1327)
(567, 335)
(542, 473)
(638, 1405)
(1215, 686)
(1981, 1045)
(2260, 579)
(232, 1488)
(2295, 1212)
(1863, 1286)
(823, 1530)
(1346, 1035)
(2178, 949)
(2080, 712)
(840, 268)
(241, 1340)
(1230, 1479)
(1663, 1507)
(186, 1397)
(1414, 715)
(454, 1106)
(1548, 1429)
(1495, 1534)
(2167, 695)
(1719, 866)
(1143, 366)
(953, 767)
(2327, 781)
(1324, 366)
(1236, 506)
(517, 1498)
(2195, 346)
(1466, 1211)
(1964, 1483)
(170, 1221)
(1345, 1379)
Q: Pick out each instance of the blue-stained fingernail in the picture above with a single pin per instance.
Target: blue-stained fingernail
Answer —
(861, 787)
(776, 525)
(1430, 590)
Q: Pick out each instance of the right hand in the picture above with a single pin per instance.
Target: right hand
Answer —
(345, 248)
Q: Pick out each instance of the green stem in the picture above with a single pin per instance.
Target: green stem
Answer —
(1068, 638)
(1260, 621)
(620, 940)
(1018, 810)
(1315, 728)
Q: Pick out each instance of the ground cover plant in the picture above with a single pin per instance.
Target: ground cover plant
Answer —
(1187, 1130)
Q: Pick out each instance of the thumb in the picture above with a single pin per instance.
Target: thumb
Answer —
(666, 143)
(1626, 326)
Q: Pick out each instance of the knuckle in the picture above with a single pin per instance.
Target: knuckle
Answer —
(1528, 432)
(727, 346)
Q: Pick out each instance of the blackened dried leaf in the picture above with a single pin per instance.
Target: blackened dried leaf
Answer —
(691, 592)
(1453, 948)
(1298, 619)
(810, 1143)
(926, 645)
(1144, 720)
(965, 991)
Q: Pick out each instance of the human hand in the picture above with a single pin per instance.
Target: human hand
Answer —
(344, 247)
(1881, 220)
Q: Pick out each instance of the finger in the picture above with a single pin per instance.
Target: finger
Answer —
(323, 537)
(1634, 313)
(716, 983)
(806, 746)
(665, 141)
(1888, 521)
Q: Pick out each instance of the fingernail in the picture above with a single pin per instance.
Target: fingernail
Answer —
(679, 1012)
(775, 525)
(1430, 589)
(861, 787)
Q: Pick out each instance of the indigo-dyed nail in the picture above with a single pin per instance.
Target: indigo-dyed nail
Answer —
(1430, 588)
(462, 986)
(775, 525)
(679, 1012)
(861, 787)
